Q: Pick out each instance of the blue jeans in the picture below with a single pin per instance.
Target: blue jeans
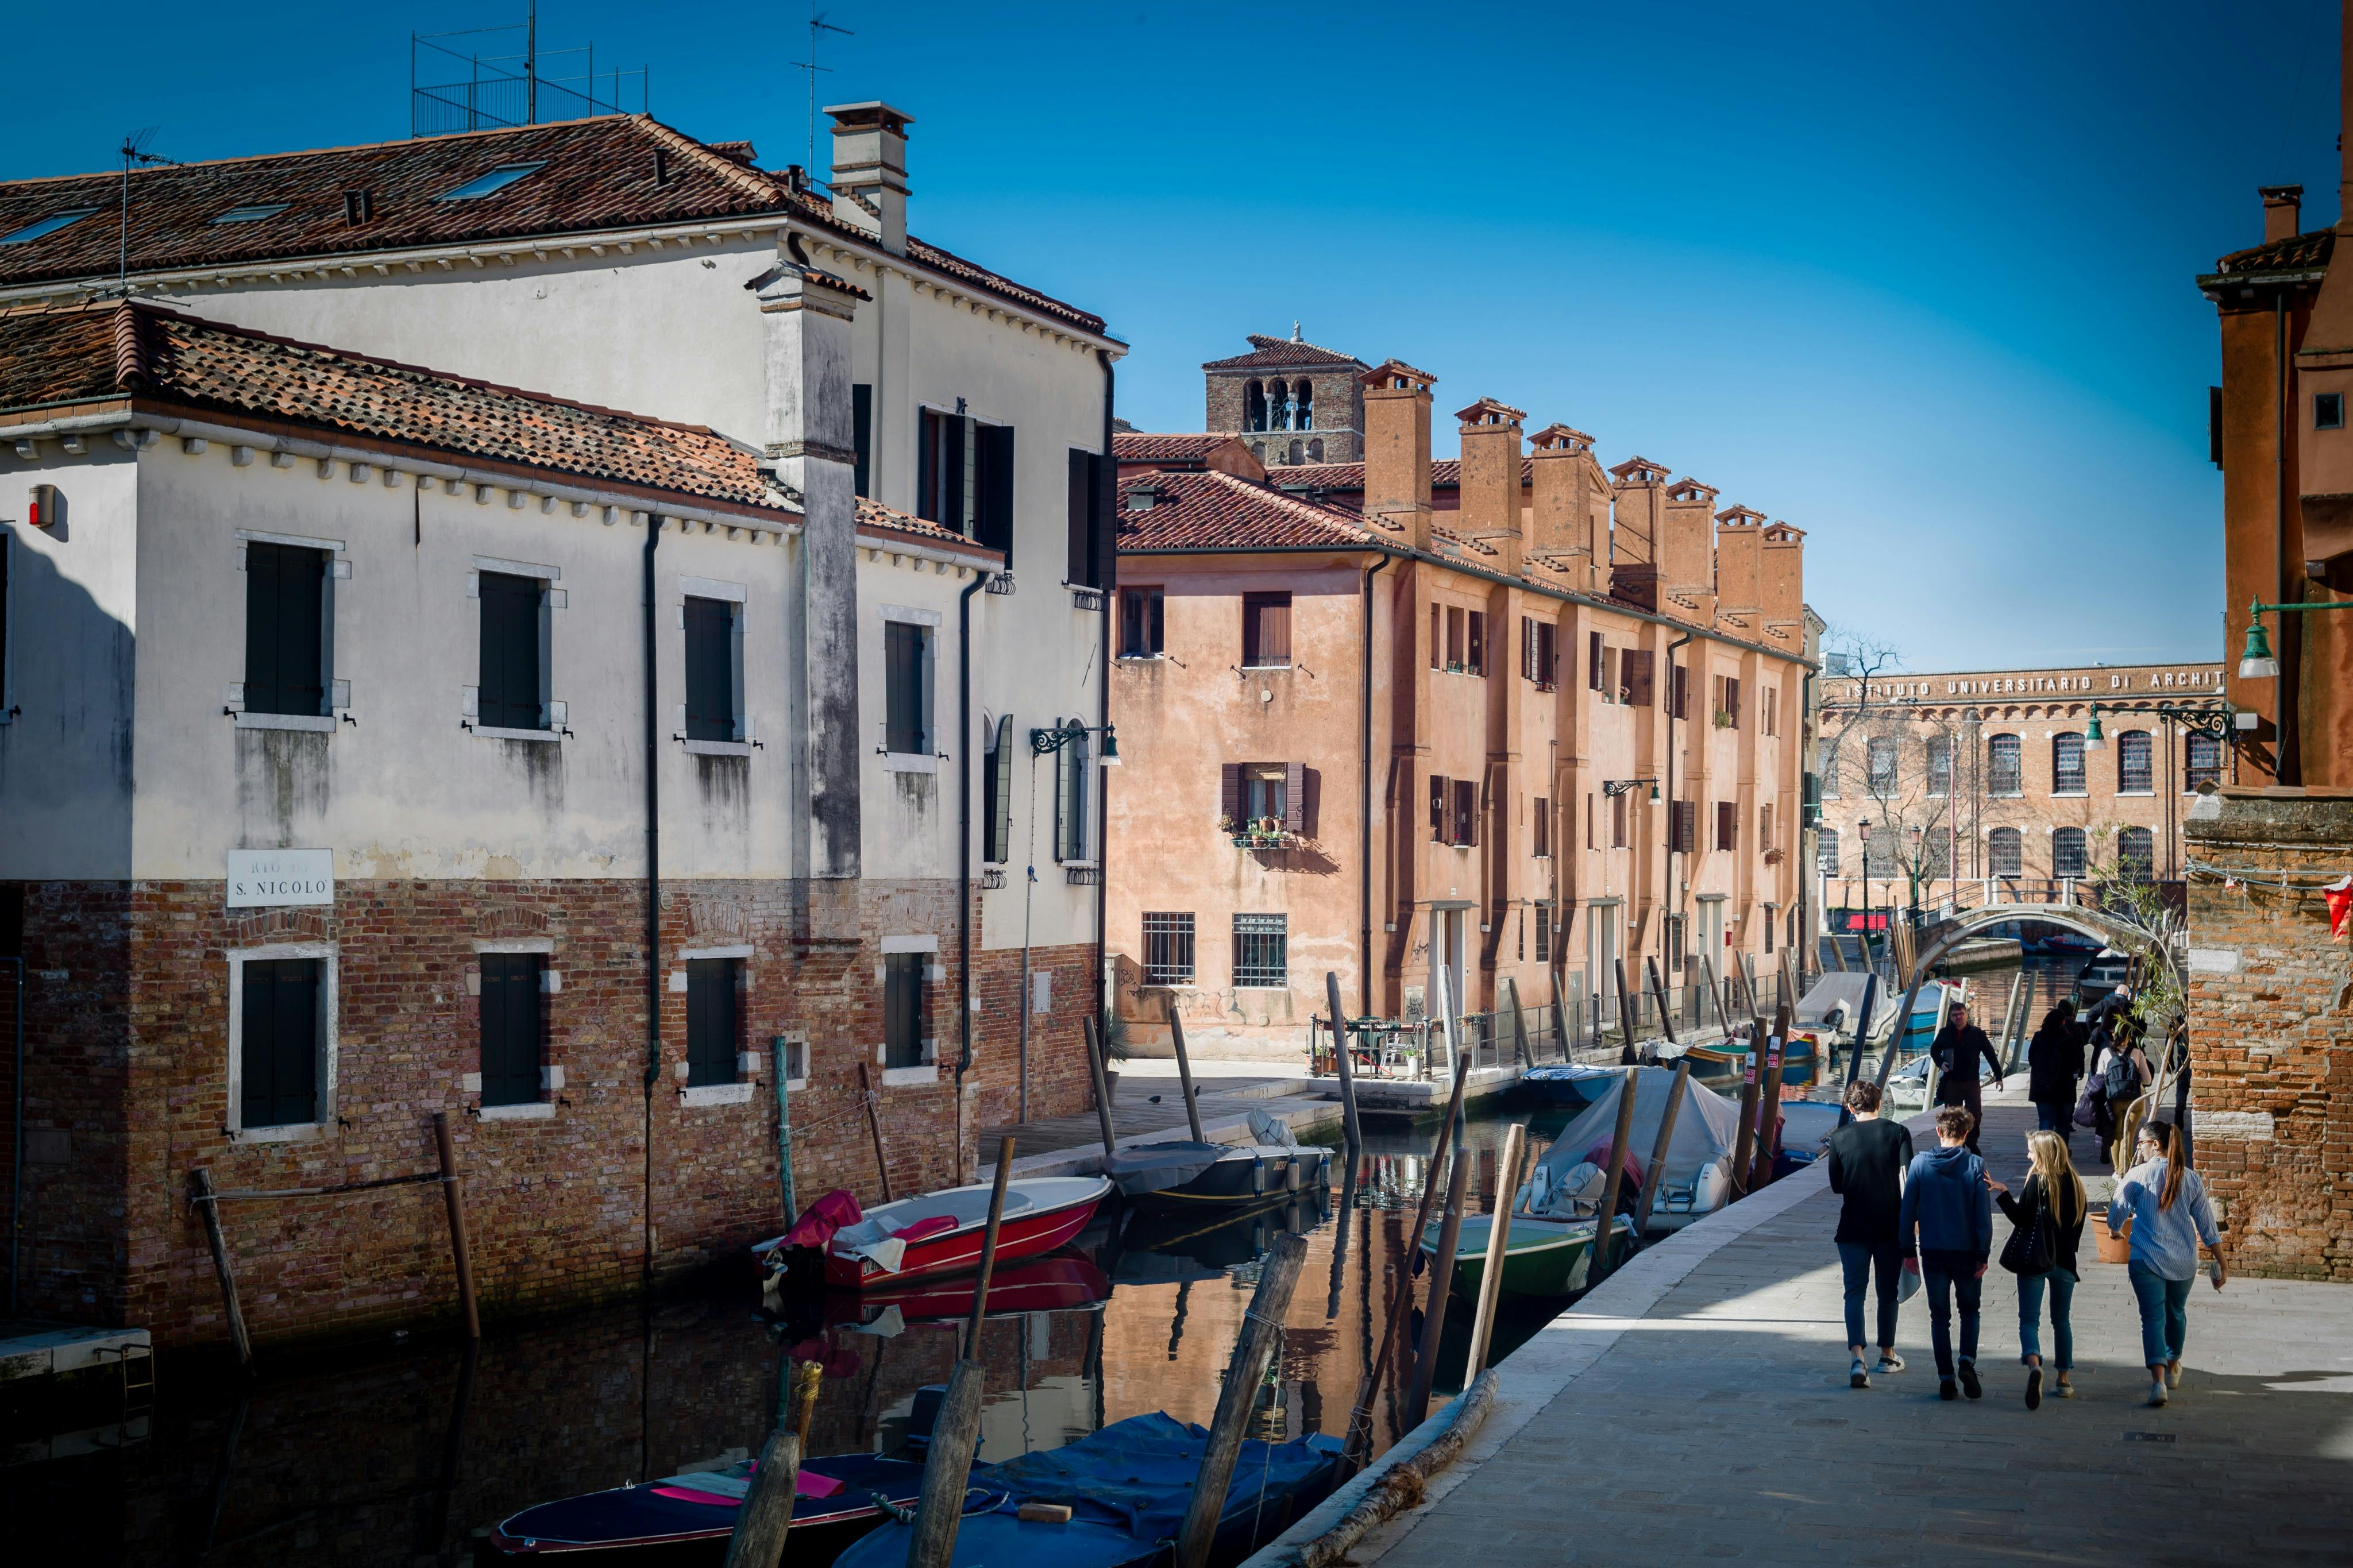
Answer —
(1858, 1259)
(2164, 1314)
(2030, 1315)
(1951, 1275)
(2058, 1119)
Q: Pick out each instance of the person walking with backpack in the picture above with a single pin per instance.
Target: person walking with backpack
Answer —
(2046, 1227)
(1867, 1157)
(2164, 1204)
(1947, 1217)
(2054, 1066)
(1958, 1048)
(2124, 1071)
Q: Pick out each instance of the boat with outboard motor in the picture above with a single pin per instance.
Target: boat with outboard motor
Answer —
(1181, 1175)
(942, 1232)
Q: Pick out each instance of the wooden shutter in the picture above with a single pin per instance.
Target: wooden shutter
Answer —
(1079, 563)
(512, 1027)
(280, 1046)
(999, 847)
(713, 1033)
(1528, 648)
(861, 436)
(902, 687)
(1732, 698)
(1593, 661)
(1441, 794)
(1477, 661)
(710, 668)
(1727, 824)
(1635, 668)
(995, 481)
(1544, 826)
(1230, 792)
(1611, 686)
(1466, 813)
(1437, 637)
(284, 625)
(1295, 797)
(1617, 822)
(1547, 656)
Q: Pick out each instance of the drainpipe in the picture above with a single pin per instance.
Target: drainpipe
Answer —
(1364, 794)
(1674, 885)
(653, 880)
(2285, 695)
(16, 1182)
(964, 842)
(1107, 568)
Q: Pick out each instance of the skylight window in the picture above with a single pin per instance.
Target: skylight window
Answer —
(254, 212)
(498, 179)
(49, 224)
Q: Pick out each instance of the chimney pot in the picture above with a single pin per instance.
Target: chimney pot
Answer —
(2283, 212)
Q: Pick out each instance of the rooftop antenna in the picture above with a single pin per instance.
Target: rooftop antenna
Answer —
(817, 25)
(134, 151)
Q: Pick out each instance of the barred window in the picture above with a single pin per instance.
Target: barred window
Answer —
(1544, 933)
(2005, 852)
(1168, 948)
(2202, 763)
(2135, 769)
(1825, 769)
(2067, 764)
(1940, 764)
(1937, 854)
(1880, 762)
(2067, 853)
(2137, 854)
(1261, 956)
(1827, 851)
(2004, 772)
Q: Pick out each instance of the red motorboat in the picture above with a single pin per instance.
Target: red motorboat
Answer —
(941, 1233)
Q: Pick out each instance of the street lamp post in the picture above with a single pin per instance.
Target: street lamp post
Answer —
(1863, 831)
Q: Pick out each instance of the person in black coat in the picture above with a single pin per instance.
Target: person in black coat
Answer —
(2054, 1201)
(1867, 1159)
(1958, 1048)
(2054, 1067)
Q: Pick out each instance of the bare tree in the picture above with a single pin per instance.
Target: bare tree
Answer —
(1911, 766)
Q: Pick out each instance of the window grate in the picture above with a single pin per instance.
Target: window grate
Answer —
(2067, 765)
(2135, 769)
(1168, 949)
(1261, 959)
(2005, 774)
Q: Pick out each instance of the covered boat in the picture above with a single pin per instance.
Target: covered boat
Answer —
(1127, 1487)
(1183, 1174)
(1694, 1180)
(1568, 1083)
(834, 1504)
(941, 1233)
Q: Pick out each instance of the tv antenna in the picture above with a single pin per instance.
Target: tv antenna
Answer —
(134, 153)
(817, 25)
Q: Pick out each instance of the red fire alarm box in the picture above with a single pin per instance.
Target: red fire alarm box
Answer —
(49, 506)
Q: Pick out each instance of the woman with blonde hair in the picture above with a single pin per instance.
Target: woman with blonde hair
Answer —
(2164, 1203)
(2047, 1225)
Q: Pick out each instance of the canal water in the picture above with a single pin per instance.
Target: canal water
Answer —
(407, 1450)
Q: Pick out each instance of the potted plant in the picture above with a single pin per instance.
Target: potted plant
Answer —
(1114, 1046)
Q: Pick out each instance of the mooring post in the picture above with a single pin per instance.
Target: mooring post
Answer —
(1519, 1025)
(1625, 1012)
(201, 1181)
(1659, 1148)
(766, 1515)
(1659, 994)
(1341, 1063)
(1744, 1141)
(988, 1247)
(874, 1129)
(1719, 991)
(1103, 1086)
(1605, 1223)
(453, 1197)
(1253, 1353)
(1499, 1237)
(776, 1048)
(1184, 1069)
(1441, 1291)
(1897, 1027)
(1768, 1116)
(1862, 1032)
(947, 1468)
(1559, 1017)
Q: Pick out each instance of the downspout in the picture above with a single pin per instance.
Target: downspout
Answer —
(2285, 693)
(966, 1002)
(1364, 796)
(653, 882)
(1675, 699)
(1107, 568)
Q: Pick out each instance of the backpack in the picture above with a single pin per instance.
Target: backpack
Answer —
(2119, 1078)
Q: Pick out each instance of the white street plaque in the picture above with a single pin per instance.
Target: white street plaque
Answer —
(258, 877)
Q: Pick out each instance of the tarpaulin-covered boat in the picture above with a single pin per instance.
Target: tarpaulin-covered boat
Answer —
(1180, 1174)
(941, 1233)
(1693, 1179)
(1127, 1487)
(835, 1505)
(1568, 1083)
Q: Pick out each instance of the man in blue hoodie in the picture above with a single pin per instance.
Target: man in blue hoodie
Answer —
(1947, 1217)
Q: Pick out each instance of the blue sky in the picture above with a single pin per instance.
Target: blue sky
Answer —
(1918, 283)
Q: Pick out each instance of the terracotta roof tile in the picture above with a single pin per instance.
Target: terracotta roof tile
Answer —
(874, 514)
(594, 176)
(1205, 510)
(94, 352)
(1153, 447)
(2296, 253)
(1283, 353)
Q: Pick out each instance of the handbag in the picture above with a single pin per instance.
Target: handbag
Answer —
(2087, 1108)
(2029, 1250)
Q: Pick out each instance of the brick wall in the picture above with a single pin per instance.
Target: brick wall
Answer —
(2271, 1031)
(128, 1037)
(1339, 413)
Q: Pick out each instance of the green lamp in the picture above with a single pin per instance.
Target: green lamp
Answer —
(2095, 740)
(2257, 663)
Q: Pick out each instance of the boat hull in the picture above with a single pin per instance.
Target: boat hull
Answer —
(1231, 1181)
(641, 1517)
(1025, 1233)
(1715, 1066)
(1541, 1257)
(1556, 1088)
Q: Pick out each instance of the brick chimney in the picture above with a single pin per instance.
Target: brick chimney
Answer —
(1739, 567)
(1490, 494)
(1781, 582)
(1396, 451)
(1686, 562)
(1638, 492)
(2283, 212)
(869, 170)
(1569, 521)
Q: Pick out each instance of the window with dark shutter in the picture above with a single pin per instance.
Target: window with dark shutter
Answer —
(1593, 661)
(1466, 813)
(1441, 797)
(712, 702)
(1476, 663)
(1732, 698)
(279, 1065)
(993, 486)
(903, 693)
(1140, 626)
(1617, 822)
(285, 620)
(1437, 637)
(1085, 553)
(996, 795)
(1727, 824)
(512, 1026)
(1073, 795)
(1527, 647)
(1682, 826)
(1266, 630)
(861, 436)
(1543, 828)
(512, 680)
(1232, 806)
(713, 1033)
(904, 1008)
(1613, 687)
(944, 470)
(1635, 670)
(1294, 799)
(1679, 691)
(1588, 819)
(1546, 659)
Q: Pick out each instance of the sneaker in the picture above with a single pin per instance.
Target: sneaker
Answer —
(1945, 1389)
(2157, 1395)
(1855, 1376)
(1889, 1362)
(2064, 1389)
(2173, 1374)
(1969, 1384)
(2035, 1388)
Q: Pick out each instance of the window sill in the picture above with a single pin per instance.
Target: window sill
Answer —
(318, 723)
(718, 748)
(1264, 668)
(2136, 794)
(1284, 988)
(528, 1111)
(492, 732)
(909, 763)
(292, 1132)
(2071, 795)
(927, 1072)
(1141, 657)
(716, 1094)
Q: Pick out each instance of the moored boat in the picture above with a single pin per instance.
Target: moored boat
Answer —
(834, 1504)
(1541, 1257)
(942, 1232)
(1727, 1061)
(1568, 1083)
(1181, 1174)
(1693, 1179)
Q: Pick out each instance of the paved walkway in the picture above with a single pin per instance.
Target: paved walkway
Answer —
(1695, 1407)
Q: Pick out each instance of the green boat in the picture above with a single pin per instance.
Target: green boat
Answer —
(1541, 1257)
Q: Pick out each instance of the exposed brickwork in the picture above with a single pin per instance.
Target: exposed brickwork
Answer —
(2271, 1030)
(128, 1035)
(1336, 433)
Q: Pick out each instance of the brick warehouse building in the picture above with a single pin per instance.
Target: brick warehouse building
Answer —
(1393, 741)
(2271, 989)
(2001, 775)
(815, 888)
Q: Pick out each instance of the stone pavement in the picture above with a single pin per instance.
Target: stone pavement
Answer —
(1695, 1407)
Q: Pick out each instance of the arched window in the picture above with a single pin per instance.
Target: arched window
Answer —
(1253, 406)
(2136, 773)
(1880, 761)
(1297, 454)
(1827, 841)
(1258, 450)
(2067, 764)
(1936, 854)
(2067, 859)
(1304, 400)
(1940, 764)
(1278, 405)
(1315, 449)
(2003, 850)
(2137, 854)
(2202, 761)
(2004, 774)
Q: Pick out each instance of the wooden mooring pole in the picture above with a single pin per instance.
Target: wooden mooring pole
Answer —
(956, 1434)
(989, 1247)
(1625, 1012)
(200, 1182)
(1768, 1116)
(1103, 1086)
(1519, 1025)
(1184, 1069)
(1659, 994)
(874, 1130)
(1499, 1238)
(1341, 1063)
(1261, 1336)
(1597, 1265)
(1744, 1141)
(1441, 1291)
(453, 1197)
(1659, 1148)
